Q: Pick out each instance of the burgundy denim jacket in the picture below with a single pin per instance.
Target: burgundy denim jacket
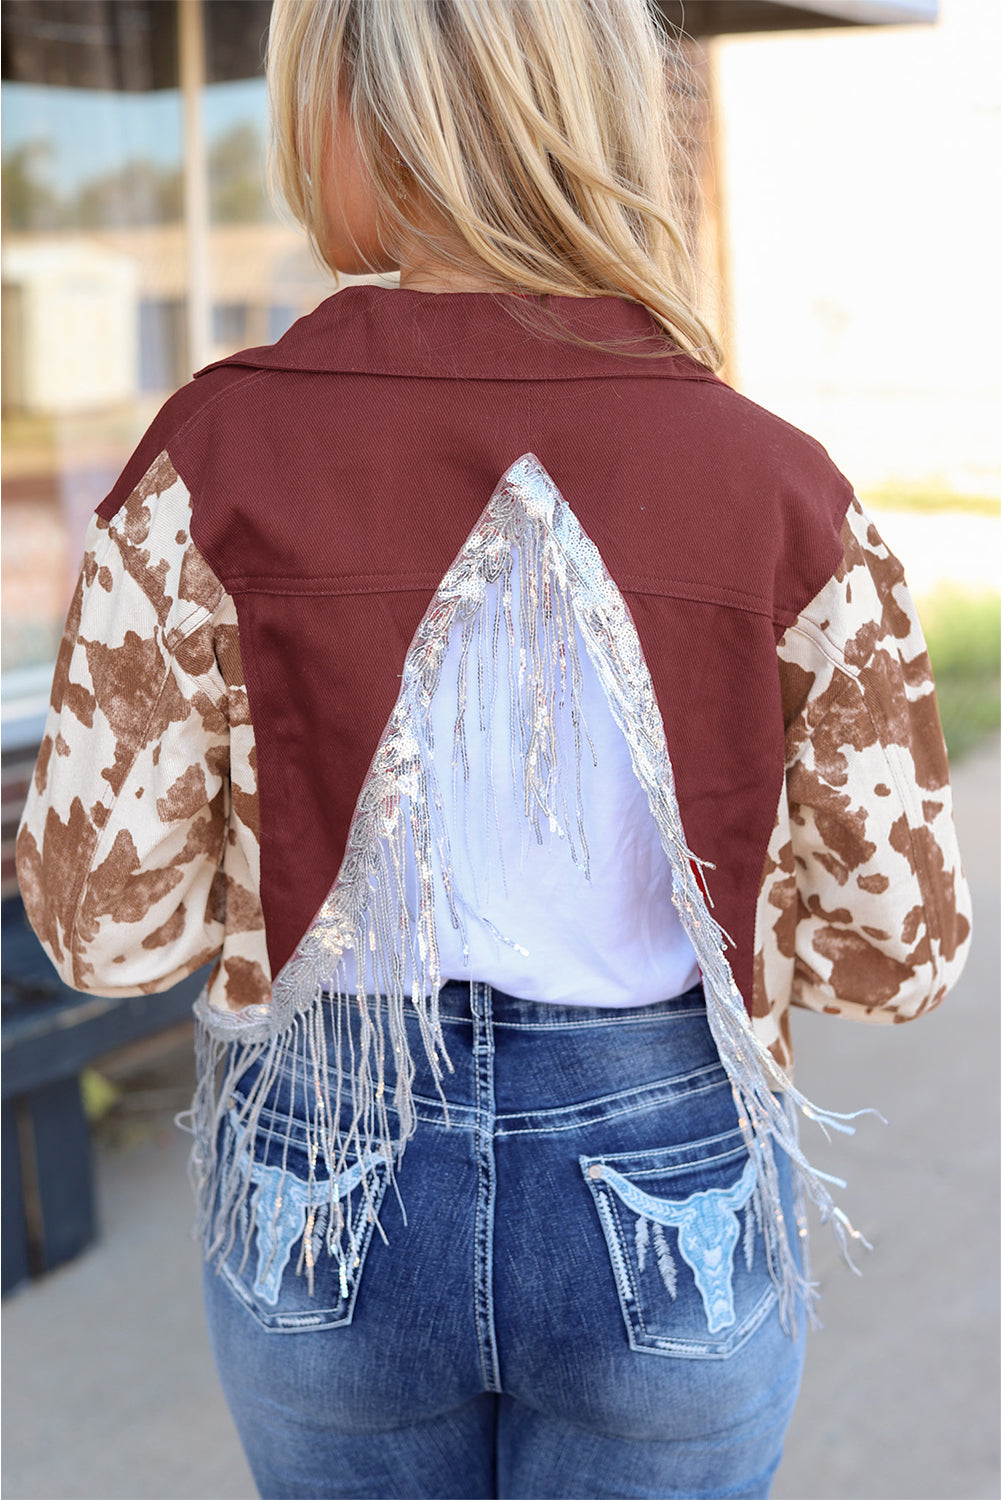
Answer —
(256, 580)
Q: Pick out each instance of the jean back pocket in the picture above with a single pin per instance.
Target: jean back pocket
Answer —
(683, 1230)
(282, 1263)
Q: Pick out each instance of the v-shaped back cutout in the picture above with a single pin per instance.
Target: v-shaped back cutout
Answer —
(565, 590)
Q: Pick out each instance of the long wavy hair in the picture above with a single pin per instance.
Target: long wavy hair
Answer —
(530, 139)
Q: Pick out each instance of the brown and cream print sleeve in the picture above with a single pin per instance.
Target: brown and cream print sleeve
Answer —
(138, 854)
(864, 910)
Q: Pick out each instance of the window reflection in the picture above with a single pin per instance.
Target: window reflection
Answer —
(96, 263)
(91, 184)
(104, 242)
(262, 277)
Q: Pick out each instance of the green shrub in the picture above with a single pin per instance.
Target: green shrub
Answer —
(964, 642)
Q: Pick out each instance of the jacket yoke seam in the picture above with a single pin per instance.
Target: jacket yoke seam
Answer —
(332, 587)
(374, 583)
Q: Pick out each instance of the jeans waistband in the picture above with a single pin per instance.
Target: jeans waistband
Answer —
(461, 1000)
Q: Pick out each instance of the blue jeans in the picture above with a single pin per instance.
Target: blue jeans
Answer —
(576, 1302)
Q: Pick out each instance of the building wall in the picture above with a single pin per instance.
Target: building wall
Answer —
(860, 176)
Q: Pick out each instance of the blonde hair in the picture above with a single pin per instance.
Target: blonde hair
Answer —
(531, 138)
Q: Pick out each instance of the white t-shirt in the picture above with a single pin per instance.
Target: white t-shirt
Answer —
(534, 923)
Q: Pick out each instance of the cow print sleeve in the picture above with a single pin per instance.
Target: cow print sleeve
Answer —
(137, 854)
(864, 910)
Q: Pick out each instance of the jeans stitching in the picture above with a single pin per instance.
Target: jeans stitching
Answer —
(711, 1071)
(628, 1018)
(316, 1319)
(654, 1102)
(485, 1186)
(680, 1348)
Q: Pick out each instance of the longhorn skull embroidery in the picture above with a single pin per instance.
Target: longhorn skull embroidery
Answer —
(708, 1230)
(281, 1206)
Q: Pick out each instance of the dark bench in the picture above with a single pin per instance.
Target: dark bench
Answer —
(50, 1033)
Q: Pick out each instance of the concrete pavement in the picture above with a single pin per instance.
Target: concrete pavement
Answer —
(109, 1392)
(900, 1398)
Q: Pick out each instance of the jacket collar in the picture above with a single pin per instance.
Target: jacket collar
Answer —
(375, 330)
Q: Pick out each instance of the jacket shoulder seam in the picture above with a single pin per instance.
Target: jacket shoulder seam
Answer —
(203, 411)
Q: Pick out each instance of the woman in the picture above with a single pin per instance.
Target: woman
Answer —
(521, 720)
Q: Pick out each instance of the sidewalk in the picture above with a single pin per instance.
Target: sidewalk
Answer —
(109, 1391)
(900, 1399)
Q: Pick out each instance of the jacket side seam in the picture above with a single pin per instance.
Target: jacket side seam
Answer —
(251, 684)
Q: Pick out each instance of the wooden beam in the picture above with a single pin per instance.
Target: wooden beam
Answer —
(701, 18)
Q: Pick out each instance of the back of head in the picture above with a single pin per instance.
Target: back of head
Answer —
(530, 139)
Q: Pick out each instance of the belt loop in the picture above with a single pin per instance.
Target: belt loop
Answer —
(482, 1009)
(480, 1000)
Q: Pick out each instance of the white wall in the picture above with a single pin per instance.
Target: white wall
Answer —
(75, 338)
(861, 172)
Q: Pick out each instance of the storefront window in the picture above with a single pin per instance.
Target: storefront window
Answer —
(92, 197)
(138, 244)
